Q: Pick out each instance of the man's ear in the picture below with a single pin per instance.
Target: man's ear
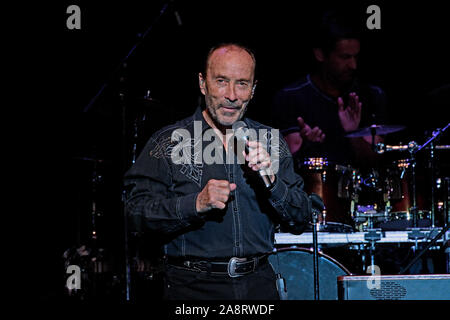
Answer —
(201, 83)
(318, 54)
(253, 88)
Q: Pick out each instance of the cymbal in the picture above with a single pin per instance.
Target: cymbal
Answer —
(378, 129)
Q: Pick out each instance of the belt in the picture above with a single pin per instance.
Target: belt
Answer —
(234, 267)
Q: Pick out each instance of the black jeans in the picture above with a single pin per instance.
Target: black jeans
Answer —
(181, 284)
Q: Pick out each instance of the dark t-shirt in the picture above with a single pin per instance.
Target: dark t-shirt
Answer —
(304, 99)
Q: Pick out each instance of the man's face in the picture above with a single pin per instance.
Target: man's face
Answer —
(228, 86)
(341, 63)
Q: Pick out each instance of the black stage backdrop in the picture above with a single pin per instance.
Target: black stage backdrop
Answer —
(70, 141)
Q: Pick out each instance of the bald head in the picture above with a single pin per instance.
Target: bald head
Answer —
(228, 84)
(225, 48)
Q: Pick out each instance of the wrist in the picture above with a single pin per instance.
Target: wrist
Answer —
(199, 207)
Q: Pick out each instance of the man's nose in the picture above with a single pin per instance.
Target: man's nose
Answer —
(231, 93)
(353, 64)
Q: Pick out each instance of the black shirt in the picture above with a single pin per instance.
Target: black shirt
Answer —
(161, 196)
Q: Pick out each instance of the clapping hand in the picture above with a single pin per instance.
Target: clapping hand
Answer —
(350, 116)
(312, 135)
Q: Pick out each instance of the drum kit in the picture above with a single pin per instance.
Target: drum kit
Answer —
(393, 197)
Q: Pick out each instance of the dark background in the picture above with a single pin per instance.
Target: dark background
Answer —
(408, 58)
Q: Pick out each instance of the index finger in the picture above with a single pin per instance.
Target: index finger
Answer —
(301, 122)
(219, 183)
(254, 144)
(340, 102)
(354, 99)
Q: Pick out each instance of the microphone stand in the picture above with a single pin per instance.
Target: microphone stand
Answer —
(317, 207)
(119, 71)
(315, 215)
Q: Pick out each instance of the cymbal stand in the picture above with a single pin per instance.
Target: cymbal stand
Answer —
(415, 234)
(412, 146)
(435, 136)
(432, 165)
(135, 138)
(96, 178)
(136, 124)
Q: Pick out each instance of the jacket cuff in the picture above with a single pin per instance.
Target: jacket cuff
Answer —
(186, 207)
(279, 192)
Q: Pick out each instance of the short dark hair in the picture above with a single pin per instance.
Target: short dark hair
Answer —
(227, 44)
(333, 26)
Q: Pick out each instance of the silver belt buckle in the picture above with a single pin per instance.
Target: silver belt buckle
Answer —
(232, 264)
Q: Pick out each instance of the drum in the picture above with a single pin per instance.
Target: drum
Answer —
(399, 185)
(369, 190)
(333, 183)
(369, 201)
(296, 266)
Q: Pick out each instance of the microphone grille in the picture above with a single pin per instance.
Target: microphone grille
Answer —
(316, 201)
(239, 125)
(240, 130)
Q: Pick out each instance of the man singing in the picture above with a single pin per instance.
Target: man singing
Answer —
(218, 216)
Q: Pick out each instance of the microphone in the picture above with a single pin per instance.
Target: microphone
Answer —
(241, 132)
(316, 202)
(317, 205)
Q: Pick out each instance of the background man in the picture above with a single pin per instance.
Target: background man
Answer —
(316, 112)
